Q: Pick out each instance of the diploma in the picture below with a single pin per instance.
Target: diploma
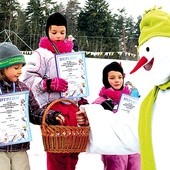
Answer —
(14, 118)
(72, 68)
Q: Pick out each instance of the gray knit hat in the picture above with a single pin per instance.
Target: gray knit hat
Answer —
(10, 55)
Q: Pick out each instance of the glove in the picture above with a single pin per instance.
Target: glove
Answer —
(55, 84)
(108, 104)
(82, 119)
(82, 101)
(55, 118)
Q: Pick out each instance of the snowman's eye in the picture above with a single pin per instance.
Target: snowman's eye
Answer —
(147, 49)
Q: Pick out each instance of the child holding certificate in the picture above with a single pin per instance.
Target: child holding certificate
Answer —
(42, 76)
(109, 97)
(13, 153)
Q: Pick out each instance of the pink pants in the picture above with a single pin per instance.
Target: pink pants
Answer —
(61, 161)
(121, 162)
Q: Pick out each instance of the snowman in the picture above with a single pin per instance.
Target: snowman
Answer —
(149, 132)
(154, 116)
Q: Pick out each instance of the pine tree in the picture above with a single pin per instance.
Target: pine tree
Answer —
(95, 22)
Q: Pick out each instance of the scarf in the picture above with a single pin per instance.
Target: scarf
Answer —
(62, 46)
(145, 129)
(115, 95)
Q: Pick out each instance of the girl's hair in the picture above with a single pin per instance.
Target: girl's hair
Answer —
(2, 75)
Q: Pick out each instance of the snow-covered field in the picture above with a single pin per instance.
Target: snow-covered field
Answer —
(37, 155)
(87, 161)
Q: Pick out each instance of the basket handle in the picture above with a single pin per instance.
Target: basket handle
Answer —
(54, 102)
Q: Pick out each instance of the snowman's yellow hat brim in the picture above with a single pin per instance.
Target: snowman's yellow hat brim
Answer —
(155, 22)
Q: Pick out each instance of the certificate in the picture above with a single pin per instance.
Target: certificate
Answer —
(72, 68)
(14, 118)
(127, 103)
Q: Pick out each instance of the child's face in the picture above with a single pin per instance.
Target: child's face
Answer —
(57, 33)
(115, 79)
(13, 72)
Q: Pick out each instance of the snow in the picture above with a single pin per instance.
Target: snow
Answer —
(37, 156)
(94, 66)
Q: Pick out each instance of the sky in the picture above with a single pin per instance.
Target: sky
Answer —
(133, 8)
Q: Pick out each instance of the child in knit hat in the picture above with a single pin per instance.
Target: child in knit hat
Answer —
(41, 75)
(109, 98)
(113, 81)
(14, 156)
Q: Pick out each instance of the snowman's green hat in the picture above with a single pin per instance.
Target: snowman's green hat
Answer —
(155, 22)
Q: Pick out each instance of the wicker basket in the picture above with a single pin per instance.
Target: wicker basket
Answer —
(63, 139)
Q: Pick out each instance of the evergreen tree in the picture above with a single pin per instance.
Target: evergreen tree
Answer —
(126, 29)
(95, 22)
(35, 20)
(95, 27)
(72, 13)
(9, 13)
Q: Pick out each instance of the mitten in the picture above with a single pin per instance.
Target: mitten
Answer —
(55, 84)
(82, 119)
(108, 104)
(82, 101)
(55, 118)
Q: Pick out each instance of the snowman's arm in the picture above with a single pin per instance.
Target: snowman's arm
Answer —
(111, 133)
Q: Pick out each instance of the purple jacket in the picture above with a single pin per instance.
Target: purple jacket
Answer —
(35, 112)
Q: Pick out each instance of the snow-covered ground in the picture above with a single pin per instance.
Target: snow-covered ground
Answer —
(37, 155)
(87, 161)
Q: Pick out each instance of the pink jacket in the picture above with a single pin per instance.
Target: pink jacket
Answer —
(110, 93)
(43, 64)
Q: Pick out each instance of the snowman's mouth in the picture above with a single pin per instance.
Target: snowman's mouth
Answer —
(149, 65)
(142, 62)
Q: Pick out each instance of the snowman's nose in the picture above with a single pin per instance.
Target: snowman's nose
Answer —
(139, 64)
